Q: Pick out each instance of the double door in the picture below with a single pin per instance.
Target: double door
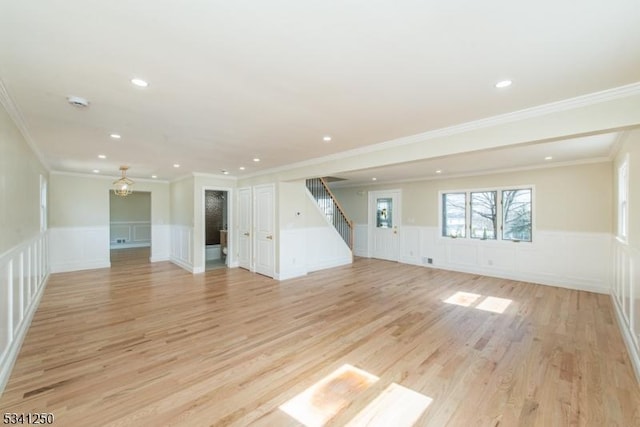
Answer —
(256, 229)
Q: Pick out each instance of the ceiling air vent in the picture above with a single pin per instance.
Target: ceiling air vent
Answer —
(76, 101)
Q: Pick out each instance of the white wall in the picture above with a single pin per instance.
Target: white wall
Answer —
(306, 240)
(625, 264)
(24, 261)
(130, 220)
(79, 221)
(572, 227)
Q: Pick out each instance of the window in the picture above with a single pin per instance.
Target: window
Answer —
(516, 211)
(506, 210)
(454, 214)
(484, 215)
(43, 204)
(384, 213)
(623, 199)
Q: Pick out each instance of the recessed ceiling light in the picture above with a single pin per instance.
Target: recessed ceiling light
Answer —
(549, 158)
(176, 165)
(154, 176)
(225, 172)
(241, 168)
(326, 138)
(139, 82)
(503, 83)
(102, 156)
(439, 171)
(256, 160)
(115, 136)
(374, 179)
(96, 171)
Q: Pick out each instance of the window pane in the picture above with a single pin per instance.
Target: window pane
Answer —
(484, 215)
(384, 213)
(454, 214)
(516, 213)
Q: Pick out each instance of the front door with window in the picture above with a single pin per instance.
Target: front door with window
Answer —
(384, 223)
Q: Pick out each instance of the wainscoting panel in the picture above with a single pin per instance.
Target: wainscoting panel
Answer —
(626, 297)
(79, 248)
(160, 242)
(182, 246)
(566, 259)
(360, 233)
(325, 249)
(303, 250)
(129, 234)
(24, 271)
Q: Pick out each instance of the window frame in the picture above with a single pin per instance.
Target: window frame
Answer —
(622, 201)
(499, 213)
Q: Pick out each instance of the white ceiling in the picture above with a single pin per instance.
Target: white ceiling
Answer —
(524, 156)
(234, 80)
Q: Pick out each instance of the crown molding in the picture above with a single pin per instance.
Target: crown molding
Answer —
(107, 177)
(514, 116)
(19, 121)
(479, 173)
(217, 176)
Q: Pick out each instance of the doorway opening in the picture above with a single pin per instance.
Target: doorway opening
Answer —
(130, 228)
(216, 224)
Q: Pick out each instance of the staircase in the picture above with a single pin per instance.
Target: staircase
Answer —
(331, 209)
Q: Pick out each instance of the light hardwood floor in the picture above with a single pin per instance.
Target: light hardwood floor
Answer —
(150, 344)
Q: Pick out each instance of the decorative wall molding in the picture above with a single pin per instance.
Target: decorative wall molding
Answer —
(79, 248)
(18, 119)
(566, 259)
(24, 271)
(625, 293)
(304, 250)
(528, 113)
(136, 234)
(181, 247)
(160, 242)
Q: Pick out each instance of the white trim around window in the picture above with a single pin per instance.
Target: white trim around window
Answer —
(491, 236)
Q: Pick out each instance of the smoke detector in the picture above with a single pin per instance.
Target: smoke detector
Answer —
(76, 101)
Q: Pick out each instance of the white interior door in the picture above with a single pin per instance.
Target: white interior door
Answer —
(244, 228)
(264, 222)
(384, 222)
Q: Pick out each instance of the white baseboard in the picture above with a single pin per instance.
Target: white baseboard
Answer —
(117, 246)
(160, 258)
(182, 264)
(290, 274)
(11, 355)
(336, 262)
(77, 266)
(628, 339)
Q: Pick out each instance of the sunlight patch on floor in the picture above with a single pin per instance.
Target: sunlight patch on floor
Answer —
(494, 304)
(468, 299)
(324, 399)
(464, 299)
(396, 406)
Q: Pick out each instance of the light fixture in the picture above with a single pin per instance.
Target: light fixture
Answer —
(122, 186)
(439, 171)
(326, 138)
(503, 83)
(225, 172)
(176, 165)
(154, 176)
(115, 136)
(256, 159)
(96, 171)
(102, 156)
(241, 168)
(374, 179)
(549, 158)
(139, 82)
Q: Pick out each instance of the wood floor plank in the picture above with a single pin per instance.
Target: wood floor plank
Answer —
(150, 344)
